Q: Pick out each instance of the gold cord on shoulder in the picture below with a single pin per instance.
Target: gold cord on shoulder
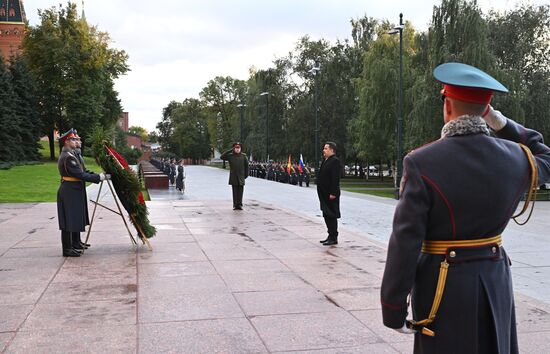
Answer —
(532, 193)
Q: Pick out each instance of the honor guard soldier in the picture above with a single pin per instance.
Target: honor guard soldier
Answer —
(72, 208)
(78, 154)
(238, 172)
(457, 195)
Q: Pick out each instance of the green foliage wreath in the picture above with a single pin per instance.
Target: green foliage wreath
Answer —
(125, 182)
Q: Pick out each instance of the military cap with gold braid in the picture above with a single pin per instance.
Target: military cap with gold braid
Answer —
(71, 133)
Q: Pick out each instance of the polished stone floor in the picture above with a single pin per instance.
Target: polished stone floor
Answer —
(217, 281)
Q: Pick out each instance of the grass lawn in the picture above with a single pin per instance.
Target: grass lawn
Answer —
(34, 183)
(37, 183)
(374, 186)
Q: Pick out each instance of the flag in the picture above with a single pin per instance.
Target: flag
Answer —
(288, 165)
(301, 166)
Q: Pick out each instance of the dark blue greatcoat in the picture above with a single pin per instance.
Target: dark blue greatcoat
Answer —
(460, 188)
(72, 207)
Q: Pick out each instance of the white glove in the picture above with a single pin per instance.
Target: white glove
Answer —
(405, 330)
(102, 176)
(494, 119)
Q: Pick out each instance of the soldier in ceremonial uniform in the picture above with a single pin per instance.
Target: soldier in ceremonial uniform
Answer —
(77, 243)
(238, 172)
(457, 196)
(72, 208)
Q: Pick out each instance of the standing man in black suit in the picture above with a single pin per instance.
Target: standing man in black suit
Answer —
(328, 190)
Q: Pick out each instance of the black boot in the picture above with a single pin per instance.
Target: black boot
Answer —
(68, 251)
(76, 244)
(332, 240)
(325, 240)
(84, 245)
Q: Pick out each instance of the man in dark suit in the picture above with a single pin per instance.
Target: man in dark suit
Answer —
(238, 172)
(328, 191)
(457, 196)
(72, 208)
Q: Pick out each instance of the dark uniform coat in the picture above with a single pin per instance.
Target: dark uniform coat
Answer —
(180, 177)
(72, 207)
(238, 167)
(78, 154)
(458, 188)
(328, 182)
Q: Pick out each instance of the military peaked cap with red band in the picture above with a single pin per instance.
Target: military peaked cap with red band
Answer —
(237, 144)
(467, 83)
(71, 133)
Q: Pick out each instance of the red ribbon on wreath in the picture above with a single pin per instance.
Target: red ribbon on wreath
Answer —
(124, 164)
(121, 160)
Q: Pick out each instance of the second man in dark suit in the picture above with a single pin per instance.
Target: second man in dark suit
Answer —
(328, 190)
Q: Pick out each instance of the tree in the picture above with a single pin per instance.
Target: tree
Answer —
(26, 107)
(75, 69)
(153, 137)
(10, 134)
(222, 95)
(139, 131)
(374, 127)
(165, 126)
(191, 138)
(458, 33)
(520, 41)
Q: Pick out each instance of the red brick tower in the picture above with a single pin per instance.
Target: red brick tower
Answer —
(12, 27)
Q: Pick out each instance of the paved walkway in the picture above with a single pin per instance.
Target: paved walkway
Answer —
(371, 216)
(217, 281)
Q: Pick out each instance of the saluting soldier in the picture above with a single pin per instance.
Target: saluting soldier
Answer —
(456, 198)
(72, 208)
(238, 172)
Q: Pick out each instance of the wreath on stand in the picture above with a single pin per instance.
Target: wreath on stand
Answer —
(125, 183)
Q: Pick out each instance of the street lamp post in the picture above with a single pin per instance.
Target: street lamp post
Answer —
(399, 29)
(241, 108)
(315, 71)
(266, 94)
(218, 123)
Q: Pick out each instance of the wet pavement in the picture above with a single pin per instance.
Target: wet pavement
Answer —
(218, 280)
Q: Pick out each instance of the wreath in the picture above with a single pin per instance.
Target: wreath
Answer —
(125, 182)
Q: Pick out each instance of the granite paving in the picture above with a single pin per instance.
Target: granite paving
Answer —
(217, 281)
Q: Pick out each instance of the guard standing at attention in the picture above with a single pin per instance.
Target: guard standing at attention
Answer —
(238, 172)
(457, 195)
(77, 242)
(72, 208)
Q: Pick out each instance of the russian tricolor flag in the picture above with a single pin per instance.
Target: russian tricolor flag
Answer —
(301, 167)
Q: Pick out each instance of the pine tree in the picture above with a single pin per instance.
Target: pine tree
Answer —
(26, 108)
(10, 135)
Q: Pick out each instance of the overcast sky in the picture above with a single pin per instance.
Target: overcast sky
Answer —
(177, 46)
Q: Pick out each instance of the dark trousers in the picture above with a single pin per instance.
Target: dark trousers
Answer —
(332, 228)
(237, 196)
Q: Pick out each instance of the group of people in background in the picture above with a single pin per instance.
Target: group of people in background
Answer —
(279, 172)
(174, 170)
